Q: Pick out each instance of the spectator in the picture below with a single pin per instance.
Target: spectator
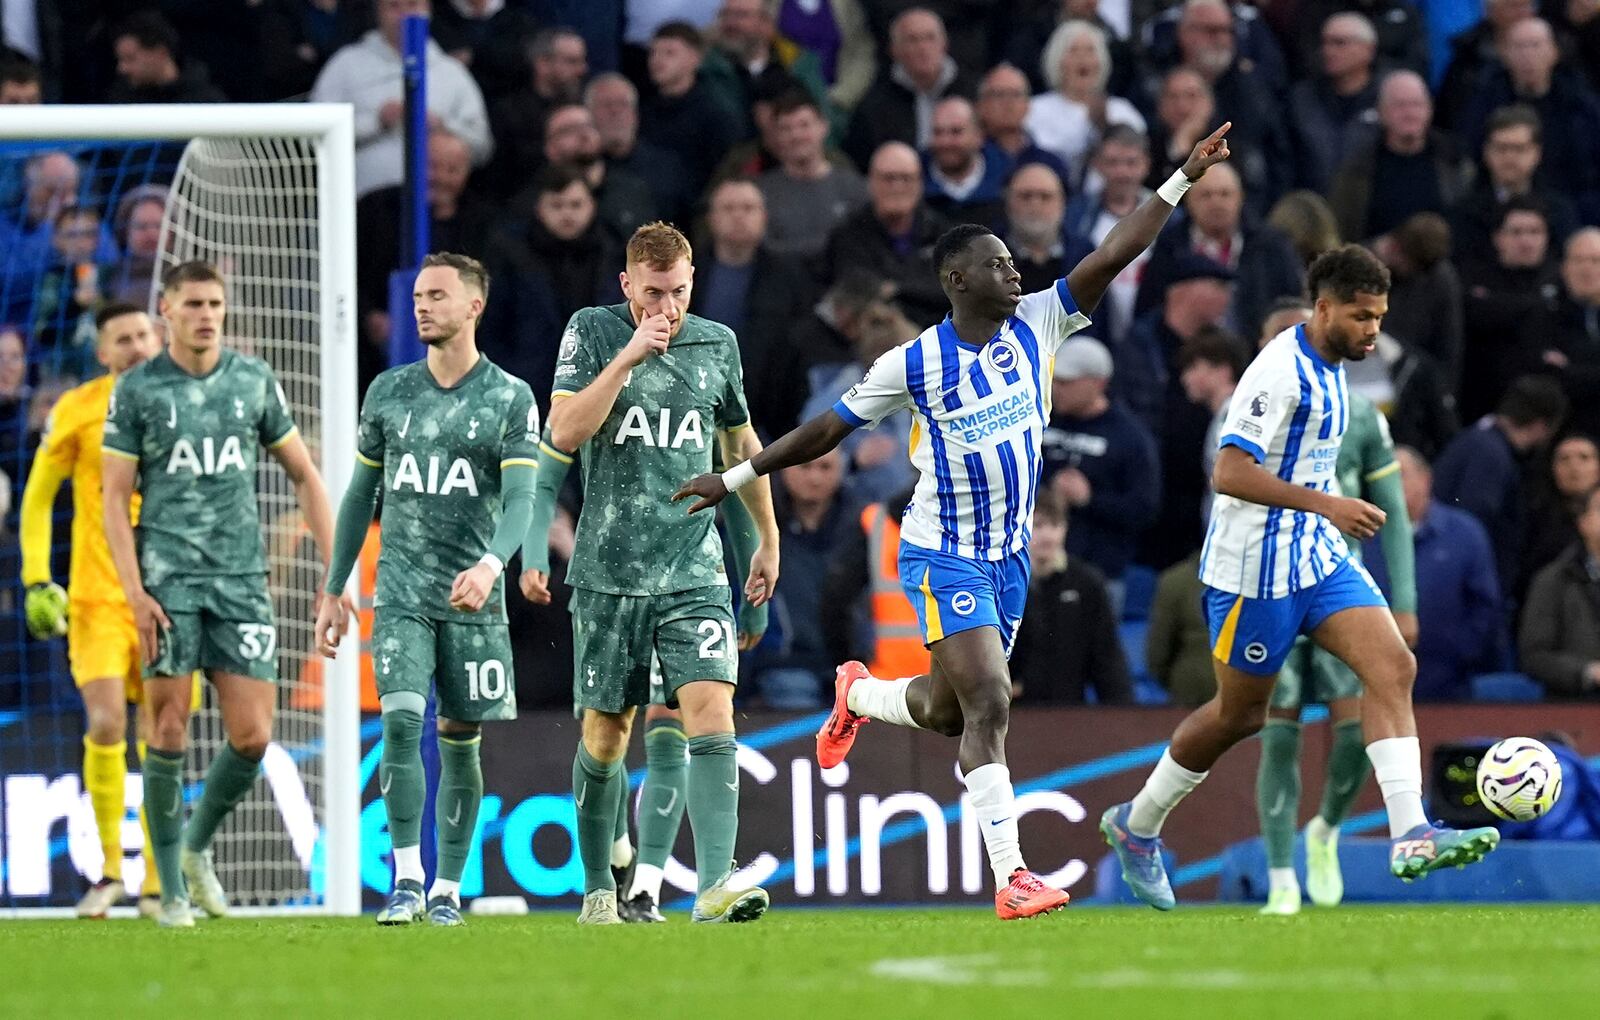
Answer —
(1510, 309)
(1418, 165)
(866, 614)
(817, 520)
(1117, 172)
(1035, 205)
(16, 431)
(571, 139)
(296, 37)
(1531, 73)
(836, 32)
(137, 227)
(613, 104)
(1067, 644)
(1186, 112)
(50, 182)
(1474, 53)
(559, 61)
(960, 182)
(1209, 366)
(1578, 342)
(899, 106)
(829, 338)
(1425, 297)
(1177, 645)
(1324, 110)
(1512, 152)
(1558, 503)
(1002, 109)
(1245, 92)
(20, 84)
(147, 65)
(490, 38)
(1101, 461)
(68, 294)
(459, 221)
(1394, 31)
(749, 51)
(755, 156)
(1030, 35)
(1253, 43)
(1306, 220)
(757, 293)
(1459, 606)
(684, 115)
(1482, 469)
(1198, 291)
(1560, 635)
(546, 269)
(806, 196)
(1068, 119)
(368, 75)
(893, 236)
(1215, 226)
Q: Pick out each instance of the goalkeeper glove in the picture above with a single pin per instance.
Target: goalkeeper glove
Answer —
(46, 609)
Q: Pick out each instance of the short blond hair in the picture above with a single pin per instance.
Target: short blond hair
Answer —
(659, 246)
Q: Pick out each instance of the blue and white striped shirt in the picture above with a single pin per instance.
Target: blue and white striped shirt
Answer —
(1290, 413)
(980, 413)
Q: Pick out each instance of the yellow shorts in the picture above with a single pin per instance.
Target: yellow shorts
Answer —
(102, 643)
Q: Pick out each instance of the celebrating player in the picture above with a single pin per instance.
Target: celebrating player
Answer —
(978, 382)
(1275, 566)
(638, 873)
(1366, 465)
(187, 423)
(452, 440)
(639, 387)
(102, 644)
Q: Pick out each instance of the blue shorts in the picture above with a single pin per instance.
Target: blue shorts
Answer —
(953, 593)
(1255, 635)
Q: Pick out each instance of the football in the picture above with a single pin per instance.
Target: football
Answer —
(1519, 779)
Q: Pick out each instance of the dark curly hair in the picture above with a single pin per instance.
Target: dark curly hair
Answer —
(1346, 271)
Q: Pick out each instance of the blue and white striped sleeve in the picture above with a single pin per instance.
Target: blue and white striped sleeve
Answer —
(880, 393)
(1053, 315)
(1265, 398)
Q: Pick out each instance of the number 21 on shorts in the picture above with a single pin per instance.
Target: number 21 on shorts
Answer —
(718, 639)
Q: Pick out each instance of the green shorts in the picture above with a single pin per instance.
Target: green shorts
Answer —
(1311, 675)
(470, 663)
(218, 623)
(619, 641)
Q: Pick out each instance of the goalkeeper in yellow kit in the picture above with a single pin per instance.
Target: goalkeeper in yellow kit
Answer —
(102, 643)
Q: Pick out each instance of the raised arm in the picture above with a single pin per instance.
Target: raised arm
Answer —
(577, 416)
(1135, 232)
(806, 443)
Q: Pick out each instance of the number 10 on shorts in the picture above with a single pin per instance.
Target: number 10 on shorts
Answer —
(486, 680)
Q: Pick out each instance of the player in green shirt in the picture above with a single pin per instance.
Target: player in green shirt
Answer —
(642, 390)
(452, 441)
(638, 874)
(1366, 466)
(186, 426)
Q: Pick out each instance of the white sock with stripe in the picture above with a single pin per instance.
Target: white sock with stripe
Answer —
(993, 801)
(1397, 762)
(884, 700)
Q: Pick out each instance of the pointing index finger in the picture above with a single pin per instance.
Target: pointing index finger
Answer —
(1218, 133)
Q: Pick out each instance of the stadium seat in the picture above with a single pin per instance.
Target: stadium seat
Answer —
(1141, 591)
(1506, 687)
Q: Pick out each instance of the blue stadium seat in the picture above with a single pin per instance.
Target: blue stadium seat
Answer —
(1506, 687)
(1141, 585)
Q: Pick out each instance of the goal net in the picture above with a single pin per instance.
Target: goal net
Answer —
(264, 194)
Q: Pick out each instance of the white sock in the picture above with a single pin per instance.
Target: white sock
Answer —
(408, 864)
(1397, 762)
(621, 851)
(884, 700)
(1279, 879)
(1320, 831)
(445, 887)
(646, 878)
(1166, 787)
(995, 805)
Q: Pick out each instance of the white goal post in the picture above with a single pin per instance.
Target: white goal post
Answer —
(244, 226)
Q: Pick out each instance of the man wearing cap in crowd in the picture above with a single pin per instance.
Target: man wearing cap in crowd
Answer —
(1101, 460)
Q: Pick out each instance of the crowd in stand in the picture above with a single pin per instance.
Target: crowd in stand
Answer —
(815, 149)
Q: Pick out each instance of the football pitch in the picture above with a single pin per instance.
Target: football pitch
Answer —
(1460, 962)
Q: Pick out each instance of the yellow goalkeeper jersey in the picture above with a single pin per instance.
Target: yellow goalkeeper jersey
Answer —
(70, 449)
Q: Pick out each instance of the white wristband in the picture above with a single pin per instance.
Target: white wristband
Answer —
(1172, 191)
(738, 476)
(493, 562)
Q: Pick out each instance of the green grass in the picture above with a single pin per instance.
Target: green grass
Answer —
(1454, 962)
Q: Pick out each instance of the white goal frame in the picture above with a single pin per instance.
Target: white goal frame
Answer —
(330, 128)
